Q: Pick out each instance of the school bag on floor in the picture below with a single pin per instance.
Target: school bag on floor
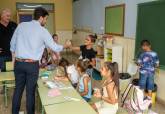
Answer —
(133, 100)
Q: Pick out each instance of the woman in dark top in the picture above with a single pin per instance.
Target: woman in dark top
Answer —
(87, 51)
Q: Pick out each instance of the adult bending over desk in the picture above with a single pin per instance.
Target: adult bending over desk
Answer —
(27, 46)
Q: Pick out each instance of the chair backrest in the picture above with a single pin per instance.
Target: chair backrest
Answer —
(9, 66)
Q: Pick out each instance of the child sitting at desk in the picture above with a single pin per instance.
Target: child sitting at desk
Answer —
(110, 90)
(84, 85)
(70, 72)
(44, 59)
(55, 55)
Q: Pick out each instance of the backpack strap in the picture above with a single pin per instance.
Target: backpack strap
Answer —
(132, 101)
(125, 94)
(135, 105)
(105, 84)
(138, 103)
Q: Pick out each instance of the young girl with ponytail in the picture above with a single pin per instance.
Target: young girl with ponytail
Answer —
(110, 90)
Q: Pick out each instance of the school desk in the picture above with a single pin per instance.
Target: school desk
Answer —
(5, 77)
(70, 107)
(59, 104)
(46, 100)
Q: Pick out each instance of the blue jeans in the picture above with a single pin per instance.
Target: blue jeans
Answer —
(146, 81)
(26, 74)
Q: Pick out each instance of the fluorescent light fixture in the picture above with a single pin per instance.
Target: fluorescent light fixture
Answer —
(32, 6)
(26, 9)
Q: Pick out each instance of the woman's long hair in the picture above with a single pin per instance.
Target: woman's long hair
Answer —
(113, 67)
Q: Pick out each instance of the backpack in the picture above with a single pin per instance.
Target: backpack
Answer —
(133, 100)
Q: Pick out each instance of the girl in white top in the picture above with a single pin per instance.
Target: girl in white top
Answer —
(73, 74)
(110, 90)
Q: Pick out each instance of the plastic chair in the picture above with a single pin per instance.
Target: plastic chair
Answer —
(9, 66)
(8, 84)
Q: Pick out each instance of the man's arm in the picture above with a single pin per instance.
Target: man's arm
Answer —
(48, 40)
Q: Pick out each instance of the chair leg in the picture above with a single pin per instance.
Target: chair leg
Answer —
(5, 93)
(38, 102)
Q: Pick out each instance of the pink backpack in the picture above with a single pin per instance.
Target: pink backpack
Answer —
(133, 100)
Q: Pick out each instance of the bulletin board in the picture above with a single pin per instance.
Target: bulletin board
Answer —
(114, 20)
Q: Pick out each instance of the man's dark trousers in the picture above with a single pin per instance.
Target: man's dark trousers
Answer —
(26, 74)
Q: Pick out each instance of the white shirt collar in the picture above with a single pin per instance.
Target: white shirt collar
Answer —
(35, 21)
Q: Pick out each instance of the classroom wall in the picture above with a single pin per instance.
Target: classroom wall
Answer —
(87, 15)
(63, 14)
(128, 41)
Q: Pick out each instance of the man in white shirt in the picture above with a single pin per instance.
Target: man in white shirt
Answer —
(27, 46)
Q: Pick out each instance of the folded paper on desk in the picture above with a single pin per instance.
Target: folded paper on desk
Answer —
(55, 84)
(71, 98)
(54, 92)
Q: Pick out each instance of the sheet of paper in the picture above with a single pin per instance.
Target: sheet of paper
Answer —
(54, 92)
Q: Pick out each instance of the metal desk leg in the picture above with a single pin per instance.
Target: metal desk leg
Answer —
(42, 110)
